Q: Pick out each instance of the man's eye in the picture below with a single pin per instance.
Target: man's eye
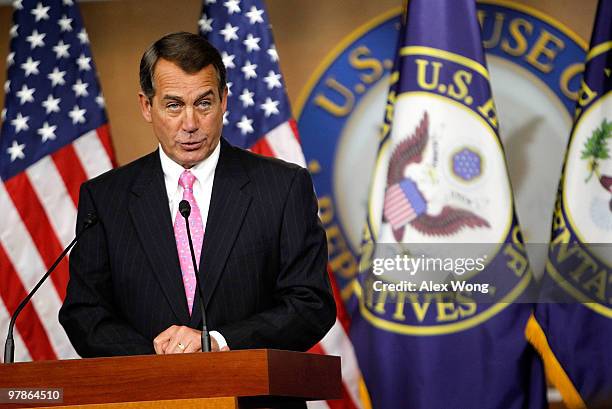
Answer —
(173, 106)
(204, 104)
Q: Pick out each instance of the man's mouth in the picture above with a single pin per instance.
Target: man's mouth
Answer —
(192, 145)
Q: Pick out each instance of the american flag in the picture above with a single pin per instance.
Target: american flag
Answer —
(258, 114)
(259, 118)
(54, 136)
(403, 203)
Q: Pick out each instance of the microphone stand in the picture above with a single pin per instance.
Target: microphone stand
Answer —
(9, 346)
(185, 210)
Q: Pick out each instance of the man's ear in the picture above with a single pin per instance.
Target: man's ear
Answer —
(145, 106)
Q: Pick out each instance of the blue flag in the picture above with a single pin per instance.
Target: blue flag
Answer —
(573, 325)
(439, 321)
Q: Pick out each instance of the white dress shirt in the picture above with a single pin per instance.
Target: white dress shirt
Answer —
(202, 191)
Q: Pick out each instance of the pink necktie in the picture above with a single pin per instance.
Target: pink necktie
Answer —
(182, 242)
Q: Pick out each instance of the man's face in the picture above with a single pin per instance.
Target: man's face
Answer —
(186, 112)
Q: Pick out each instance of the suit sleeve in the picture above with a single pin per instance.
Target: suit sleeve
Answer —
(304, 305)
(88, 315)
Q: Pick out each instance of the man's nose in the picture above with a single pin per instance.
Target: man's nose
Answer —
(190, 120)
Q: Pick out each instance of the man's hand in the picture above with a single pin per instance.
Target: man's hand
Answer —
(181, 340)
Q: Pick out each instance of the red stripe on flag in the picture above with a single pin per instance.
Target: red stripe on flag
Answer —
(105, 137)
(69, 167)
(28, 324)
(345, 403)
(262, 147)
(317, 349)
(36, 221)
(294, 128)
(341, 313)
(395, 208)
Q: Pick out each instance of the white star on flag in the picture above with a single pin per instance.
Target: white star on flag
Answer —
(57, 77)
(30, 67)
(40, 12)
(10, 59)
(68, 2)
(272, 53)
(245, 125)
(247, 98)
(36, 39)
(61, 50)
(77, 115)
(13, 33)
(249, 70)
(25, 94)
(83, 63)
(7, 86)
(251, 43)
(17, 5)
(51, 104)
(65, 23)
(229, 89)
(273, 80)
(254, 15)
(16, 151)
(100, 101)
(232, 6)
(47, 132)
(205, 24)
(83, 37)
(20, 123)
(80, 88)
(270, 107)
(229, 33)
(228, 60)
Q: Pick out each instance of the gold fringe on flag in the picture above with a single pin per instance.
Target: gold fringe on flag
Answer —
(554, 371)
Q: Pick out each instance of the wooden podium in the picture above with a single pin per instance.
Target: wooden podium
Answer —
(259, 378)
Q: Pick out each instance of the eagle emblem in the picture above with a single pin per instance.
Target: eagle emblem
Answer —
(405, 204)
(595, 151)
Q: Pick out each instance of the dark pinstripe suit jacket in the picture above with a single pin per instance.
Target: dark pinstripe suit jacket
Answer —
(263, 264)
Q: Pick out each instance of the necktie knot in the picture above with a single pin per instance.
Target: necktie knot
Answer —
(186, 180)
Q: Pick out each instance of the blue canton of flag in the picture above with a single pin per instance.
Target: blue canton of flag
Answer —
(52, 93)
(258, 106)
(54, 136)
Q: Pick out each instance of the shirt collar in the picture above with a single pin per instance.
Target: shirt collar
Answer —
(203, 171)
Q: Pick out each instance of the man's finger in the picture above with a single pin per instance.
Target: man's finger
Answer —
(192, 347)
(164, 346)
(161, 341)
(179, 341)
(172, 347)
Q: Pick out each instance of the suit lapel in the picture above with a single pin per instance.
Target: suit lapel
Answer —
(152, 220)
(228, 207)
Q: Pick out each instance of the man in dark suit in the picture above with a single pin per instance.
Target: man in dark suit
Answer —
(261, 247)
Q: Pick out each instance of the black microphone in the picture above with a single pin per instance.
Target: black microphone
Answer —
(185, 210)
(9, 346)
